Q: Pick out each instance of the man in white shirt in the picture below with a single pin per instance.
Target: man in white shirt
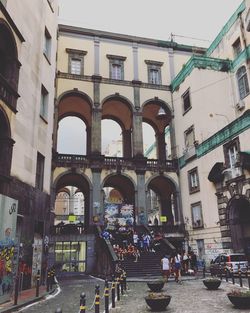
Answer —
(165, 268)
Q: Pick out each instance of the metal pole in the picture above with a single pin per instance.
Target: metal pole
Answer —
(97, 299)
(121, 282)
(106, 295)
(204, 271)
(220, 272)
(82, 303)
(232, 273)
(113, 292)
(125, 280)
(37, 283)
(226, 274)
(240, 278)
(48, 280)
(118, 288)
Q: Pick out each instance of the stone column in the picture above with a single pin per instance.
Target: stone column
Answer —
(127, 151)
(141, 199)
(97, 205)
(137, 135)
(97, 56)
(161, 146)
(96, 132)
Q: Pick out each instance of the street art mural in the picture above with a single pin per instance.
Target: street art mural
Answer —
(118, 214)
(8, 257)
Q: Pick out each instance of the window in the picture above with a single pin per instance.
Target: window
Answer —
(186, 101)
(237, 47)
(39, 171)
(193, 180)
(47, 44)
(242, 82)
(116, 66)
(44, 103)
(189, 137)
(197, 215)
(75, 66)
(231, 151)
(154, 72)
(76, 61)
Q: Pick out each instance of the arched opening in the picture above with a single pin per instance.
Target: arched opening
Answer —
(6, 145)
(77, 108)
(9, 64)
(239, 220)
(112, 143)
(71, 136)
(162, 205)
(157, 114)
(72, 211)
(148, 141)
(118, 109)
(119, 199)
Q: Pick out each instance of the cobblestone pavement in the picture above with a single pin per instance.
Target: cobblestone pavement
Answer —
(189, 297)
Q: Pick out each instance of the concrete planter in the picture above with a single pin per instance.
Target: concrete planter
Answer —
(212, 284)
(159, 303)
(240, 301)
(155, 286)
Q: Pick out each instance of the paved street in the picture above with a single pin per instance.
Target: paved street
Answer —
(189, 297)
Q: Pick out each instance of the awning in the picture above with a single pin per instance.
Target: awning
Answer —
(215, 175)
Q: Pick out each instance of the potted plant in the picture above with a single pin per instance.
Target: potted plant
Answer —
(212, 283)
(240, 298)
(157, 301)
(156, 285)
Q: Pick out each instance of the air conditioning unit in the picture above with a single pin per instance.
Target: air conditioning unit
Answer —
(240, 105)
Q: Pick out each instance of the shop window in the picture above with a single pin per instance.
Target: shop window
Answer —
(76, 61)
(242, 80)
(193, 180)
(154, 72)
(47, 44)
(186, 101)
(39, 171)
(116, 66)
(197, 218)
(44, 103)
(237, 47)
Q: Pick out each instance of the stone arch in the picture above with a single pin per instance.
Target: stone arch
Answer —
(6, 144)
(124, 183)
(75, 103)
(167, 191)
(120, 110)
(9, 64)
(150, 110)
(238, 209)
(82, 183)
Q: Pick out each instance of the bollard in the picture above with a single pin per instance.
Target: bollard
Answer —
(240, 277)
(82, 303)
(16, 289)
(232, 274)
(106, 295)
(247, 272)
(113, 292)
(121, 284)
(221, 272)
(48, 281)
(125, 280)
(58, 310)
(226, 274)
(97, 299)
(37, 283)
(118, 288)
(248, 279)
(204, 271)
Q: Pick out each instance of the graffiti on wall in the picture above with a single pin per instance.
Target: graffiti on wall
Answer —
(119, 214)
(8, 218)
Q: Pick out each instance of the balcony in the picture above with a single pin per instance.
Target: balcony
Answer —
(8, 94)
(118, 164)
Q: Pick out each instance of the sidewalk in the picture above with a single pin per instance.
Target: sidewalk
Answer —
(25, 297)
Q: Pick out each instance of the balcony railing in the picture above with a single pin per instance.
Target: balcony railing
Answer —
(119, 164)
(8, 94)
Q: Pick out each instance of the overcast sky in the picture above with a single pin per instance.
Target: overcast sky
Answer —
(145, 18)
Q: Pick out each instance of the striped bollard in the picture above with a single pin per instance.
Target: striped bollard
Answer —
(113, 292)
(118, 288)
(82, 303)
(106, 295)
(122, 284)
(97, 299)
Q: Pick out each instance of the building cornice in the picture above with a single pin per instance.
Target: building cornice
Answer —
(129, 38)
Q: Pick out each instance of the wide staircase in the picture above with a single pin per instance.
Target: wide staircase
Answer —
(148, 264)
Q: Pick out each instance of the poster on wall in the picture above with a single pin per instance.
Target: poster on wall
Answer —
(8, 219)
(118, 214)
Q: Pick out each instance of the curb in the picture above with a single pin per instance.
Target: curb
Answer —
(28, 302)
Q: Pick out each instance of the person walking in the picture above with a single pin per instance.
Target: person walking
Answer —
(177, 266)
(165, 268)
